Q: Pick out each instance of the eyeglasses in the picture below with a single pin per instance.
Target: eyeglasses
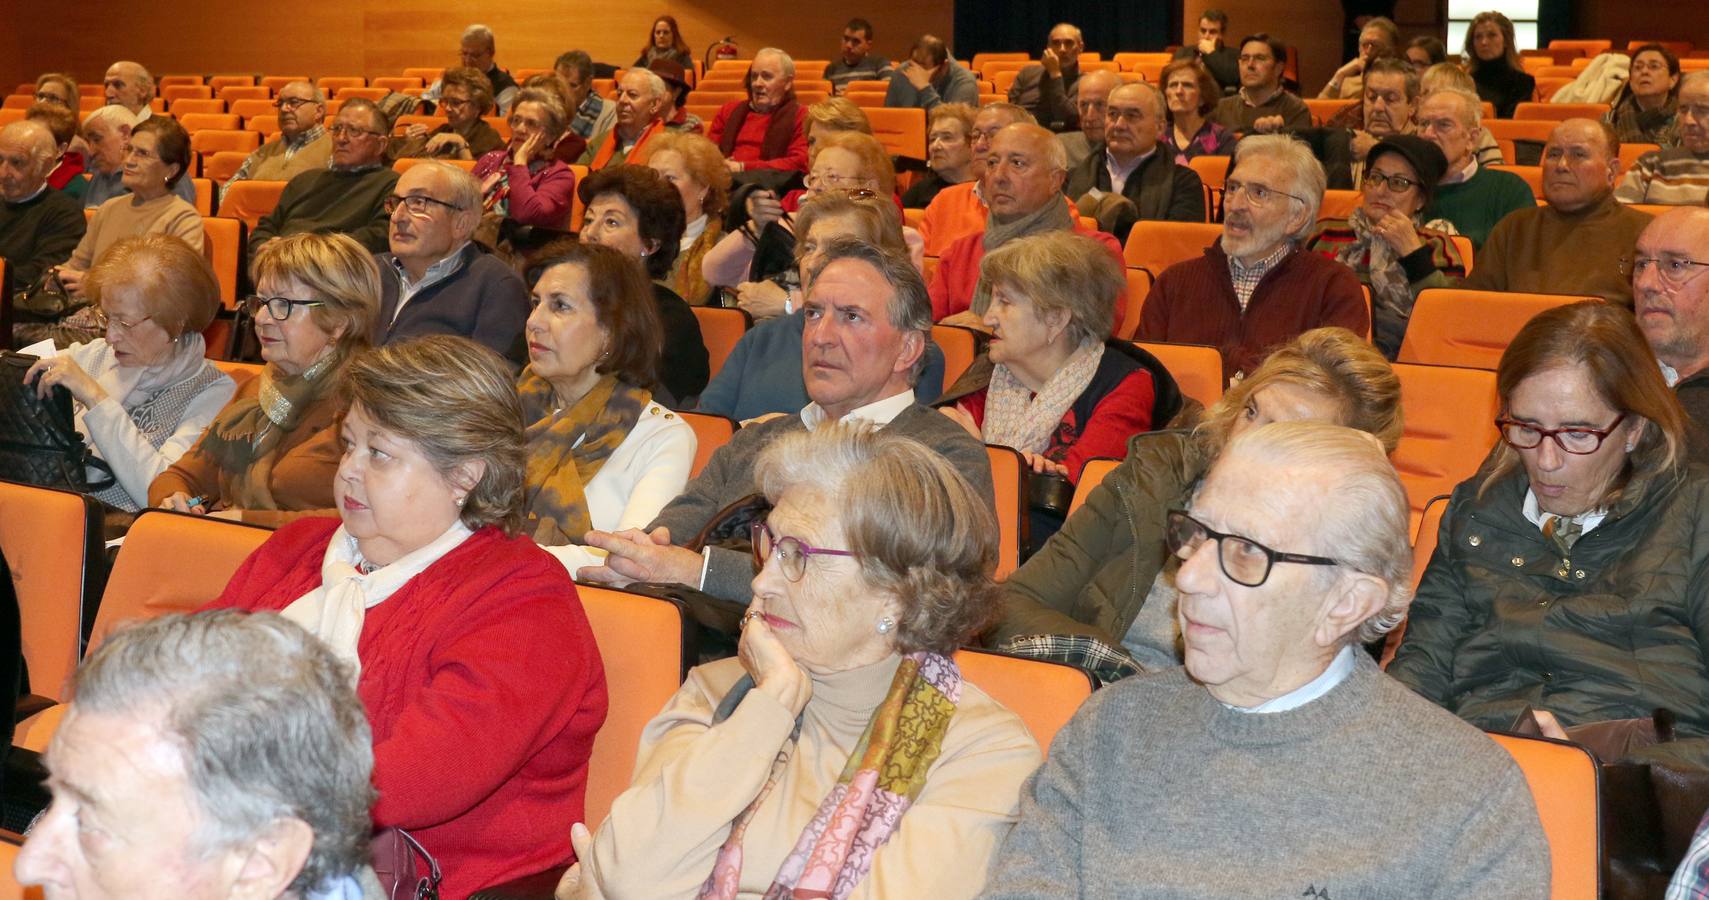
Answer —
(286, 104)
(1256, 194)
(1675, 271)
(791, 553)
(47, 97)
(1399, 184)
(106, 322)
(1244, 560)
(279, 308)
(831, 182)
(1578, 441)
(419, 205)
(341, 130)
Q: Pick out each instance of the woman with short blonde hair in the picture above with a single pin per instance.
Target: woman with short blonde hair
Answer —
(834, 115)
(695, 167)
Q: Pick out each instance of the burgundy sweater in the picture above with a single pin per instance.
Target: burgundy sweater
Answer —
(483, 688)
(1193, 302)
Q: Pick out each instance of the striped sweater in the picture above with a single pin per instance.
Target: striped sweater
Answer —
(1672, 175)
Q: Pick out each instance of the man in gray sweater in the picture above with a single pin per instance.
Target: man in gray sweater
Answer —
(868, 319)
(1280, 762)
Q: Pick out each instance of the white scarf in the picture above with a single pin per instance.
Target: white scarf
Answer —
(1014, 417)
(334, 611)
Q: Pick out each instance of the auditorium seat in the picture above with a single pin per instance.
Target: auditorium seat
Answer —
(1009, 478)
(1339, 204)
(332, 84)
(959, 345)
(400, 84)
(977, 63)
(226, 239)
(1155, 246)
(218, 82)
(172, 93)
(243, 92)
(1322, 110)
(167, 81)
(249, 109)
(10, 889)
(187, 105)
(214, 140)
(1091, 475)
(406, 163)
(1584, 47)
(405, 121)
(220, 165)
(249, 200)
(275, 83)
(427, 74)
(710, 433)
(204, 195)
(993, 70)
(901, 131)
(1534, 130)
(367, 93)
(1563, 781)
(1130, 62)
(1533, 176)
(1001, 78)
(1450, 427)
(879, 85)
(720, 329)
(1138, 288)
(194, 122)
(1045, 695)
(51, 541)
(1470, 329)
(1196, 368)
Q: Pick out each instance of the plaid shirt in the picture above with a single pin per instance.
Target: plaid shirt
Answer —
(1246, 278)
(1102, 661)
(1691, 879)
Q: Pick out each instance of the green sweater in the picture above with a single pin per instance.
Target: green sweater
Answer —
(1476, 204)
(1154, 789)
(331, 201)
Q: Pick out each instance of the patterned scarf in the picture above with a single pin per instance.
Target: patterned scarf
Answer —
(155, 410)
(1016, 417)
(883, 777)
(567, 447)
(243, 438)
(1372, 255)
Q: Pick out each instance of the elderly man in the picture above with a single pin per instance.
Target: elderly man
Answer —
(39, 226)
(62, 124)
(1573, 245)
(766, 131)
(1221, 60)
(208, 756)
(302, 144)
(590, 113)
(857, 62)
(1671, 297)
(867, 325)
(475, 50)
(1091, 98)
(931, 76)
(642, 98)
(1024, 172)
(107, 131)
(350, 196)
(1254, 288)
(1126, 179)
(959, 210)
(1470, 196)
(1676, 175)
(1387, 101)
(1049, 88)
(1280, 761)
(129, 85)
(434, 279)
(1261, 105)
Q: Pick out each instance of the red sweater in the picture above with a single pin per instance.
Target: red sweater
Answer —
(1114, 407)
(958, 273)
(752, 137)
(1193, 302)
(483, 688)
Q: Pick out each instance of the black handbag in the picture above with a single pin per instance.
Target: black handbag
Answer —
(39, 443)
(45, 301)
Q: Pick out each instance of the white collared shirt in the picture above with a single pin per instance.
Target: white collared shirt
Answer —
(1339, 668)
(1538, 517)
(1463, 175)
(1669, 374)
(878, 412)
(1119, 173)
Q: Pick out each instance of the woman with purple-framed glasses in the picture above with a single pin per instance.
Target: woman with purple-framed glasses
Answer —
(840, 753)
(1569, 575)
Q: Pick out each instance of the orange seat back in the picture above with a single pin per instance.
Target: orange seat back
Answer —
(1563, 780)
(1560, 112)
(1470, 329)
(332, 84)
(149, 577)
(214, 140)
(710, 433)
(48, 538)
(367, 93)
(204, 195)
(243, 92)
(194, 122)
(10, 889)
(275, 83)
(960, 346)
(1212, 170)
(1322, 110)
(226, 241)
(1156, 246)
(184, 106)
(720, 329)
(1532, 175)
(220, 165)
(1339, 204)
(1536, 130)
(427, 74)
(901, 131)
(249, 109)
(1463, 245)
(1133, 306)
(404, 164)
(1197, 369)
(1091, 475)
(639, 683)
(249, 200)
(400, 84)
(1044, 694)
(1009, 479)
(1450, 427)
(219, 82)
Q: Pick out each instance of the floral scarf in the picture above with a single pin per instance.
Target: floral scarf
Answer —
(567, 447)
(883, 777)
(1016, 417)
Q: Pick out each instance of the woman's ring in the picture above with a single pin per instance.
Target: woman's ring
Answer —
(751, 615)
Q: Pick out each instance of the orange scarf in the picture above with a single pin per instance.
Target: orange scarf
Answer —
(637, 155)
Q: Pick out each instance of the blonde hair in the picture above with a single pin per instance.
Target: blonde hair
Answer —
(874, 160)
(1333, 362)
(338, 271)
(1061, 270)
(837, 114)
(704, 161)
(178, 286)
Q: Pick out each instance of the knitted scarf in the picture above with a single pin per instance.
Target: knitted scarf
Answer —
(883, 777)
(567, 447)
(243, 438)
(1016, 417)
(1052, 216)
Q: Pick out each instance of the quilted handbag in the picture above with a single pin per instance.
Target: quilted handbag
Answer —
(39, 445)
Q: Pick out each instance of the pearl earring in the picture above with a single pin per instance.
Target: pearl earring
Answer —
(886, 625)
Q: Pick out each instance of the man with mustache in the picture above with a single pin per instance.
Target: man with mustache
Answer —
(1253, 289)
(1676, 175)
(1671, 297)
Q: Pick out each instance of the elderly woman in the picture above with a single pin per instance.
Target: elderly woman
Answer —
(522, 182)
(1566, 577)
(1378, 38)
(426, 588)
(1646, 112)
(157, 158)
(763, 373)
(1107, 573)
(834, 115)
(601, 452)
(196, 732)
(59, 88)
(949, 153)
(145, 392)
(467, 95)
(1190, 92)
(1386, 242)
(693, 165)
(1493, 61)
(1280, 755)
(1051, 383)
(664, 41)
(270, 455)
(635, 210)
(785, 771)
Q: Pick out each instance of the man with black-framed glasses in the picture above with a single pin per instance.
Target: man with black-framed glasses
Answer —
(346, 197)
(1670, 295)
(302, 144)
(434, 279)
(1280, 761)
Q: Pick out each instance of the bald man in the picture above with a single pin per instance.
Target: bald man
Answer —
(1128, 165)
(1049, 88)
(1024, 171)
(129, 85)
(39, 227)
(1574, 244)
(959, 210)
(1670, 294)
(1676, 175)
(1093, 93)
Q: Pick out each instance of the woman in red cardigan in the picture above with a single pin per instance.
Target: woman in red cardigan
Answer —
(476, 664)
